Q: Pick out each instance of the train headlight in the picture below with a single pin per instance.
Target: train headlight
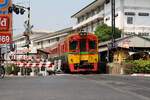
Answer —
(83, 33)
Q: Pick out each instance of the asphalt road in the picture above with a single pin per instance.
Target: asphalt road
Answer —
(75, 87)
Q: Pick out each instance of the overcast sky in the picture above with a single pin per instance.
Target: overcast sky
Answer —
(48, 15)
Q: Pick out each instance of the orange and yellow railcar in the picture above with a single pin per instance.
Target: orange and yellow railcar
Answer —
(78, 53)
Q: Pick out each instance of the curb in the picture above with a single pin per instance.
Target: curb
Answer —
(143, 75)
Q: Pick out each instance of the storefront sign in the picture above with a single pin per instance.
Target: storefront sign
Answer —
(5, 22)
(5, 38)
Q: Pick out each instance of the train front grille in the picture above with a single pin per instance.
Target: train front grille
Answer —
(84, 65)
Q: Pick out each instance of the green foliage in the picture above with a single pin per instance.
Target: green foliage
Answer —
(104, 32)
(12, 69)
(137, 66)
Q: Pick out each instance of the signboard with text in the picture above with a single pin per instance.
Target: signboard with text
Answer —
(5, 22)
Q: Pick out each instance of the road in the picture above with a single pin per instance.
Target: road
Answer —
(75, 87)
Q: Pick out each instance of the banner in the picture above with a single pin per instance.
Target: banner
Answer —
(5, 22)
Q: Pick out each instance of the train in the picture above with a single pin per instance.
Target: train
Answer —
(78, 53)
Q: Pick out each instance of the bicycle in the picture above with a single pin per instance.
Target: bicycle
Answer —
(2, 72)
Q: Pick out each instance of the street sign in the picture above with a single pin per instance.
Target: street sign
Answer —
(5, 38)
(5, 22)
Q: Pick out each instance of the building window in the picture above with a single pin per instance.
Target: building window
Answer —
(53, 40)
(87, 15)
(98, 9)
(49, 41)
(107, 1)
(82, 18)
(143, 34)
(130, 13)
(93, 12)
(78, 20)
(38, 43)
(143, 14)
(129, 20)
(58, 38)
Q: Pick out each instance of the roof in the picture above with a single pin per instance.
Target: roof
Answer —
(64, 30)
(20, 36)
(92, 4)
(59, 32)
(35, 34)
(44, 51)
(121, 39)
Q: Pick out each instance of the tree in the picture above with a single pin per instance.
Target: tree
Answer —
(104, 32)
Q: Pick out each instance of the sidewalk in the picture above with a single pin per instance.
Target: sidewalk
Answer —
(142, 75)
(126, 77)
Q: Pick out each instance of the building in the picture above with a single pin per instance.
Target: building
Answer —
(51, 38)
(40, 42)
(132, 16)
(44, 43)
(21, 49)
(125, 46)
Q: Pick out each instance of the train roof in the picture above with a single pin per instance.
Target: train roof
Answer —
(76, 34)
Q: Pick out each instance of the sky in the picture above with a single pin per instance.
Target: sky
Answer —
(48, 15)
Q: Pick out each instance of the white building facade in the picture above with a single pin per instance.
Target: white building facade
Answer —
(48, 40)
(20, 45)
(132, 16)
(39, 41)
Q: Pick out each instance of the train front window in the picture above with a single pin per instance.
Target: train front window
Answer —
(83, 45)
(92, 45)
(73, 45)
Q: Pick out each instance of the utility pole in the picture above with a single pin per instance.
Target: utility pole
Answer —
(28, 28)
(113, 21)
(112, 44)
(27, 33)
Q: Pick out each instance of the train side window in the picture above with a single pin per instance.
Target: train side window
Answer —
(73, 45)
(92, 45)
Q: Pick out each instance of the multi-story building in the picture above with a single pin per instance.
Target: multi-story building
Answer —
(51, 38)
(40, 41)
(20, 44)
(132, 16)
(44, 43)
